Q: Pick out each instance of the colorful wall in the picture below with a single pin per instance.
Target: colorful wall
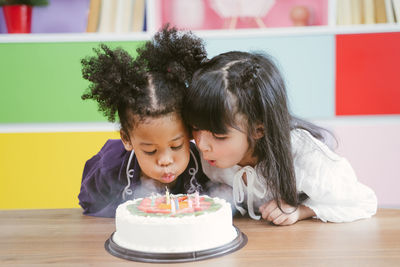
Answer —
(345, 81)
(46, 131)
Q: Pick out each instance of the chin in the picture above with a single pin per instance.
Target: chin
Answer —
(221, 166)
(226, 165)
(172, 182)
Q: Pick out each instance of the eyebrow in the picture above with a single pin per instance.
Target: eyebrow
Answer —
(174, 139)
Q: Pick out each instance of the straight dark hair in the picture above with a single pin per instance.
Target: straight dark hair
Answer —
(251, 86)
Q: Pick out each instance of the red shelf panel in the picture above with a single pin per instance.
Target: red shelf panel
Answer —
(368, 74)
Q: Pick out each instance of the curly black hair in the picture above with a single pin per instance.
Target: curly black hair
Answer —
(150, 85)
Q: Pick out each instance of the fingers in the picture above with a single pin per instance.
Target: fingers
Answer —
(271, 212)
(267, 208)
(284, 219)
(273, 215)
(291, 219)
(280, 220)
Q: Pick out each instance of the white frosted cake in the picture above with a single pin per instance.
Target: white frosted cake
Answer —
(179, 223)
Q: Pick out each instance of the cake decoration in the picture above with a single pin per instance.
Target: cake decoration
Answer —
(173, 205)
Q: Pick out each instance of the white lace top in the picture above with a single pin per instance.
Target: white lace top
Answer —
(334, 193)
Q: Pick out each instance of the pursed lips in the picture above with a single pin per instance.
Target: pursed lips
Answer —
(168, 177)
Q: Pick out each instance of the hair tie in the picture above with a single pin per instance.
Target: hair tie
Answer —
(250, 74)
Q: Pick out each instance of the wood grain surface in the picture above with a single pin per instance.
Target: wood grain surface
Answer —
(65, 237)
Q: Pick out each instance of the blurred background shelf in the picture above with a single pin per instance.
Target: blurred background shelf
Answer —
(73, 20)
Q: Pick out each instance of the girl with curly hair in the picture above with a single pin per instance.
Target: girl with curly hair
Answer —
(146, 94)
(278, 166)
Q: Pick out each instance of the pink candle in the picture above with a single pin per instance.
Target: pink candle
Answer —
(173, 209)
(167, 200)
(189, 202)
(197, 199)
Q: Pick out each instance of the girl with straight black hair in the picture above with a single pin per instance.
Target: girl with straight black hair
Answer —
(278, 166)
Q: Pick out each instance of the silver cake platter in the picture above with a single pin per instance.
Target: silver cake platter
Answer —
(154, 257)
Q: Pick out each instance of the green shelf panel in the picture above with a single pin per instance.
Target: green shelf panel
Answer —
(42, 82)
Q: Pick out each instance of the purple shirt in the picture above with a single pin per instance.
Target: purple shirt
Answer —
(104, 179)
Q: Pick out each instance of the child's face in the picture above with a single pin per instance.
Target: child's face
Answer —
(161, 147)
(224, 151)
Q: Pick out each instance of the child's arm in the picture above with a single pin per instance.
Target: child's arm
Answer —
(335, 194)
(271, 212)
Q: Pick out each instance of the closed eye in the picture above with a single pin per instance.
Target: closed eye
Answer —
(150, 152)
(220, 137)
(177, 147)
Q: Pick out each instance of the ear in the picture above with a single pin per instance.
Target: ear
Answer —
(126, 140)
(259, 132)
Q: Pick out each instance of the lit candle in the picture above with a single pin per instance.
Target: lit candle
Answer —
(197, 199)
(152, 199)
(167, 200)
(173, 209)
(189, 202)
(176, 203)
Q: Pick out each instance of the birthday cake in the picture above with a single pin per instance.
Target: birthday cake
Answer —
(172, 224)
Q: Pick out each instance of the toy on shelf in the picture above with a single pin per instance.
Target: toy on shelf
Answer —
(300, 16)
(232, 10)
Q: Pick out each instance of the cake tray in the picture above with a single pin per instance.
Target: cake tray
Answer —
(154, 257)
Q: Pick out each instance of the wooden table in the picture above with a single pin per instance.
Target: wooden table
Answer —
(65, 237)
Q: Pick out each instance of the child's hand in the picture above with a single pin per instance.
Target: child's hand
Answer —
(271, 212)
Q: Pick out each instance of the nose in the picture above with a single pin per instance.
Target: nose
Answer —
(201, 140)
(165, 159)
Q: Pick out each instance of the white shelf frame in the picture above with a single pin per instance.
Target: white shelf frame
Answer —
(239, 33)
(11, 128)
